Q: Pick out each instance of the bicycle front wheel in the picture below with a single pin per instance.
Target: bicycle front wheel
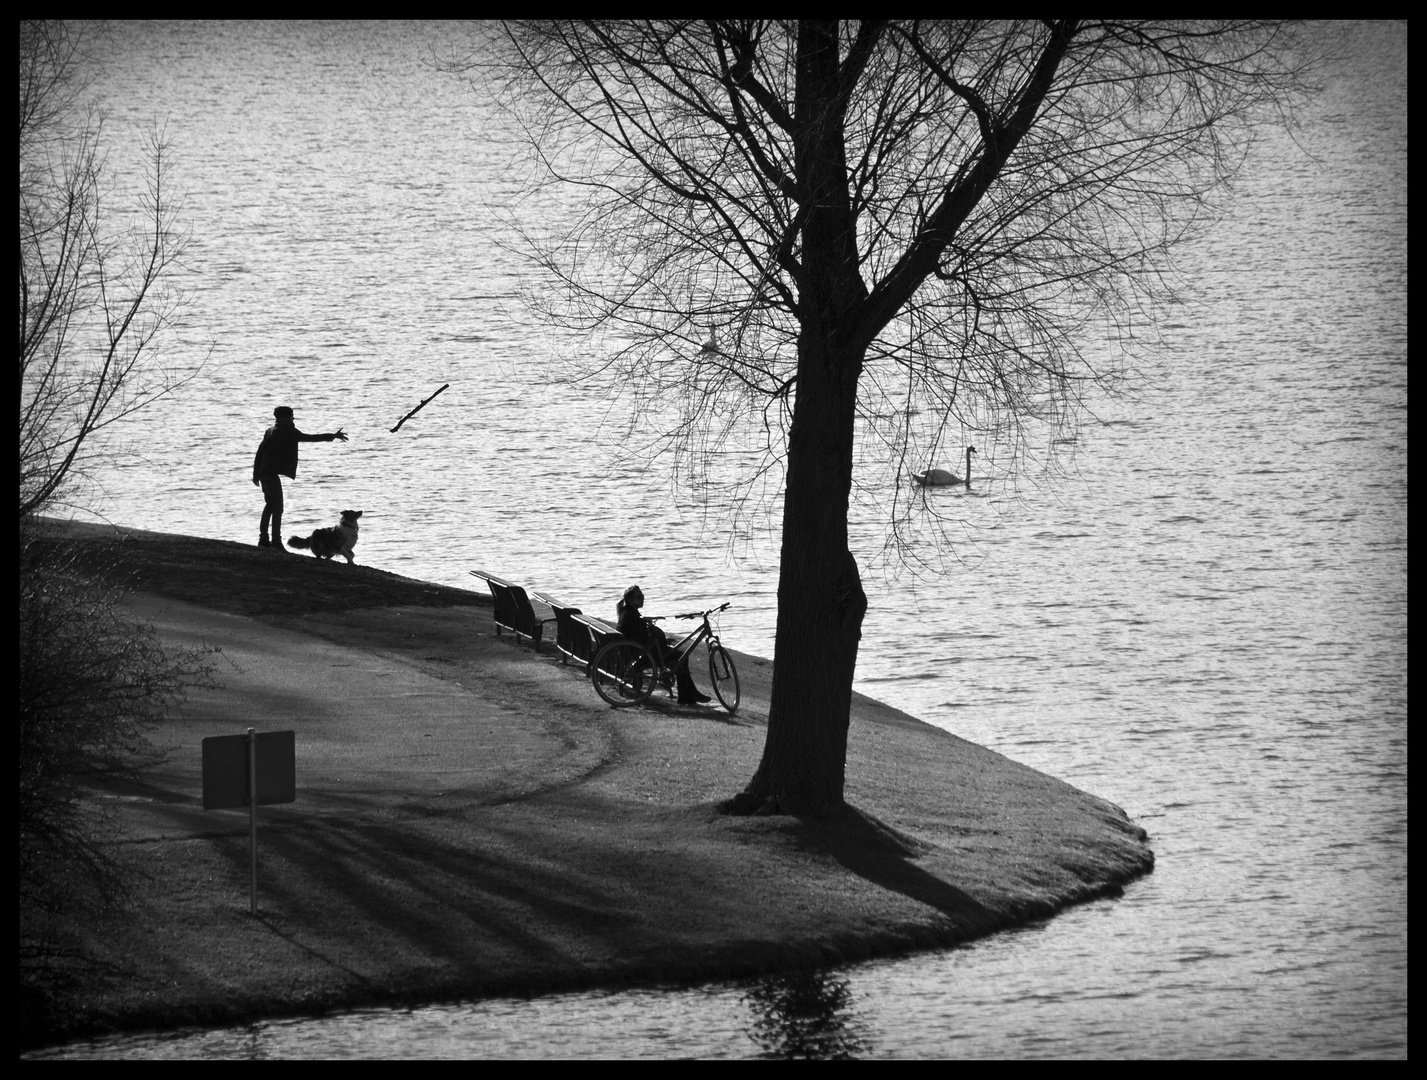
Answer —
(724, 677)
(623, 673)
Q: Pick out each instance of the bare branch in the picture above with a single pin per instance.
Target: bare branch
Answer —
(93, 299)
(814, 253)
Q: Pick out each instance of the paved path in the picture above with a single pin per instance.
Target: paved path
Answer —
(371, 730)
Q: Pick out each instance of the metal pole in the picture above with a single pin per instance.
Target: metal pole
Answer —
(253, 819)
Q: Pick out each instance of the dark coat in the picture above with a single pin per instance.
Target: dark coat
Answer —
(632, 625)
(278, 450)
(637, 628)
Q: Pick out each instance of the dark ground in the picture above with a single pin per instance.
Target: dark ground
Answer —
(473, 821)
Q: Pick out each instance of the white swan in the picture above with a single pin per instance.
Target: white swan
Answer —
(942, 478)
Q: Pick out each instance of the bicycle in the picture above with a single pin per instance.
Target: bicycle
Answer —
(624, 672)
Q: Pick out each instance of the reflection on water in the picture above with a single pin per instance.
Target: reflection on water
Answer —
(1206, 625)
(807, 1014)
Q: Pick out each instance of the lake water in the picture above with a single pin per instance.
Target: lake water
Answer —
(1204, 620)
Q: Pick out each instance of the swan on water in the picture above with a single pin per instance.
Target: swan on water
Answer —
(943, 478)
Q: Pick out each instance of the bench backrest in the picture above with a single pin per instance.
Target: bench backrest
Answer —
(598, 633)
(571, 637)
(512, 608)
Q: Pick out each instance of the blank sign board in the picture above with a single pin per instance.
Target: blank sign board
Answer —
(225, 769)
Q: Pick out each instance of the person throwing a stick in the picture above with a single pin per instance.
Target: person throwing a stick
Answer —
(276, 458)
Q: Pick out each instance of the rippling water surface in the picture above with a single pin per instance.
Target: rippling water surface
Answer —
(1205, 621)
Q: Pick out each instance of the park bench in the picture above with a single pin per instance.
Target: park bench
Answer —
(513, 610)
(572, 639)
(598, 632)
(577, 635)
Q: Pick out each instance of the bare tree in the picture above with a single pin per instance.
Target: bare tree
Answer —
(92, 304)
(865, 236)
(93, 299)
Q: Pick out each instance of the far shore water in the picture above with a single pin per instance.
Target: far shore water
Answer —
(472, 820)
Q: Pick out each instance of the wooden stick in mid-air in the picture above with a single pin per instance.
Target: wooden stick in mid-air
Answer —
(416, 410)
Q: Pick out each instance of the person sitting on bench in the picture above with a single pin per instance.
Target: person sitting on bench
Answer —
(637, 628)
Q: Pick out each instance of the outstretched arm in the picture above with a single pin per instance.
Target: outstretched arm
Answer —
(302, 436)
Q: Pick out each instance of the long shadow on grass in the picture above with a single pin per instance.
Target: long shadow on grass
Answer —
(476, 903)
(882, 855)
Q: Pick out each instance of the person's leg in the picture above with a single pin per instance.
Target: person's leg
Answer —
(689, 694)
(659, 644)
(263, 540)
(272, 509)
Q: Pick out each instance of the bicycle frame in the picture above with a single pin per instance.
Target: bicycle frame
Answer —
(696, 637)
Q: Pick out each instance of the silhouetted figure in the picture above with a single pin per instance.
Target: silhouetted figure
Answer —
(276, 458)
(637, 628)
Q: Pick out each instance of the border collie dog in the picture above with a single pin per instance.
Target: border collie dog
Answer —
(338, 540)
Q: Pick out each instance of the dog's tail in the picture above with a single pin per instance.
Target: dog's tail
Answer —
(299, 542)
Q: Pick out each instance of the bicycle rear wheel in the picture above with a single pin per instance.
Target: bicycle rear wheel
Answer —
(724, 677)
(623, 673)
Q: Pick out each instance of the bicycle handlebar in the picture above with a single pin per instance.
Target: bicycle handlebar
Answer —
(702, 614)
(689, 614)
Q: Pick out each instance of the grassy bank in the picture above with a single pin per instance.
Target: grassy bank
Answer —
(472, 821)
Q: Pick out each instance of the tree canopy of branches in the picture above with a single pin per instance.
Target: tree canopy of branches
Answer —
(865, 235)
(91, 307)
(92, 295)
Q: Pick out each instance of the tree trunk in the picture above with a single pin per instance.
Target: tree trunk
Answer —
(820, 608)
(820, 597)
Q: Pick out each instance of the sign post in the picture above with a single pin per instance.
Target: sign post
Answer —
(250, 770)
(252, 821)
